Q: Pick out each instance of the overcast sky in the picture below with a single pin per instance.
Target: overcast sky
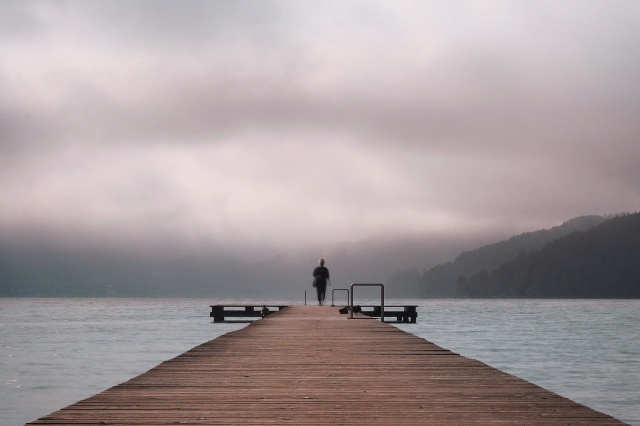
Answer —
(270, 125)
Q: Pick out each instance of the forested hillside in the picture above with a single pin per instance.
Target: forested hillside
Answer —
(602, 262)
(440, 281)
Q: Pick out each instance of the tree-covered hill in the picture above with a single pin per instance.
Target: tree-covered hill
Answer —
(602, 262)
(440, 281)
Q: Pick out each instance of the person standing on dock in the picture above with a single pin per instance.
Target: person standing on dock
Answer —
(320, 278)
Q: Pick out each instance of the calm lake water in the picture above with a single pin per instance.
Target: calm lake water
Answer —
(54, 352)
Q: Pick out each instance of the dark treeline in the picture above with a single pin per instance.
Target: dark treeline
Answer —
(440, 280)
(602, 262)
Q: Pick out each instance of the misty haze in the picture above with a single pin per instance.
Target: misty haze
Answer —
(220, 149)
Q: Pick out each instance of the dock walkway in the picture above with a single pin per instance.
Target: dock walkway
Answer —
(309, 365)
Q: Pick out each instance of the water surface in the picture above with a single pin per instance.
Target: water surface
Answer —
(54, 352)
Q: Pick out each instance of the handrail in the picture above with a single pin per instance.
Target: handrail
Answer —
(381, 299)
(339, 289)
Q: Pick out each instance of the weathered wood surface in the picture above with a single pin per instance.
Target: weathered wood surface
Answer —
(309, 365)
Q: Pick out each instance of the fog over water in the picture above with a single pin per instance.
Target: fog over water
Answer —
(380, 135)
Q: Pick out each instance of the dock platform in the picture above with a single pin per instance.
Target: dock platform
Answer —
(399, 313)
(220, 313)
(309, 365)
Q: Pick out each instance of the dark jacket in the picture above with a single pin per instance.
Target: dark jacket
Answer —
(321, 274)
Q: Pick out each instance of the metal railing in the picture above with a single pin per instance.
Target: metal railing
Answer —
(381, 298)
(339, 289)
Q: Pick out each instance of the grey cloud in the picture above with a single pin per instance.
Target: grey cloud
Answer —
(150, 23)
(18, 20)
(208, 120)
(477, 94)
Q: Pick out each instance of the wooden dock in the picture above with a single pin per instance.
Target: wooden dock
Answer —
(248, 313)
(309, 365)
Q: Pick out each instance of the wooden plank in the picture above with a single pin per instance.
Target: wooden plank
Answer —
(309, 365)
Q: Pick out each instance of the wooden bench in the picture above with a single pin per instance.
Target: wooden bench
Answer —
(220, 312)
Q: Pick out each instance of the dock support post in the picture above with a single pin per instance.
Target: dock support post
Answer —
(339, 289)
(217, 312)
